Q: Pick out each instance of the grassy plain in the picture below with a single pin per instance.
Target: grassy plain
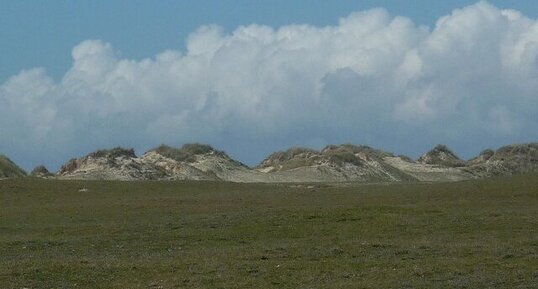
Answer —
(472, 234)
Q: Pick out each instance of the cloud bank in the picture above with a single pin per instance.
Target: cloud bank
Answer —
(472, 80)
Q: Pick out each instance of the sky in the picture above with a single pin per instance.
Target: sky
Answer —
(253, 77)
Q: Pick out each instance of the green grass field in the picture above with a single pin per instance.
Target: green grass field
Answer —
(474, 234)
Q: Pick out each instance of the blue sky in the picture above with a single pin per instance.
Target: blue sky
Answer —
(81, 75)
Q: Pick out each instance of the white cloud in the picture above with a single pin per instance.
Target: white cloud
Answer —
(369, 77)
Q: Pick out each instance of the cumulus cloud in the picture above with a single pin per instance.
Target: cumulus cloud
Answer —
(372, 78)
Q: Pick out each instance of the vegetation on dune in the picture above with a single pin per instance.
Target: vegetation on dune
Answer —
(507, 160)
(173, 153)
(443, 156)
(443, 149)
(114, 153)
(8, 169)
(517, 152)
(356, 149)
(108, 154)
(70, 166)
(483, 157)
(406, 158)
(473, 234)
(197, 148)
(342, 157)
(353, 154)
(515, 159)
(298, 162)
(40, 171)
(487, 153)
(292, 153)
(292, 158)
(188, 152)
(338, 155)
